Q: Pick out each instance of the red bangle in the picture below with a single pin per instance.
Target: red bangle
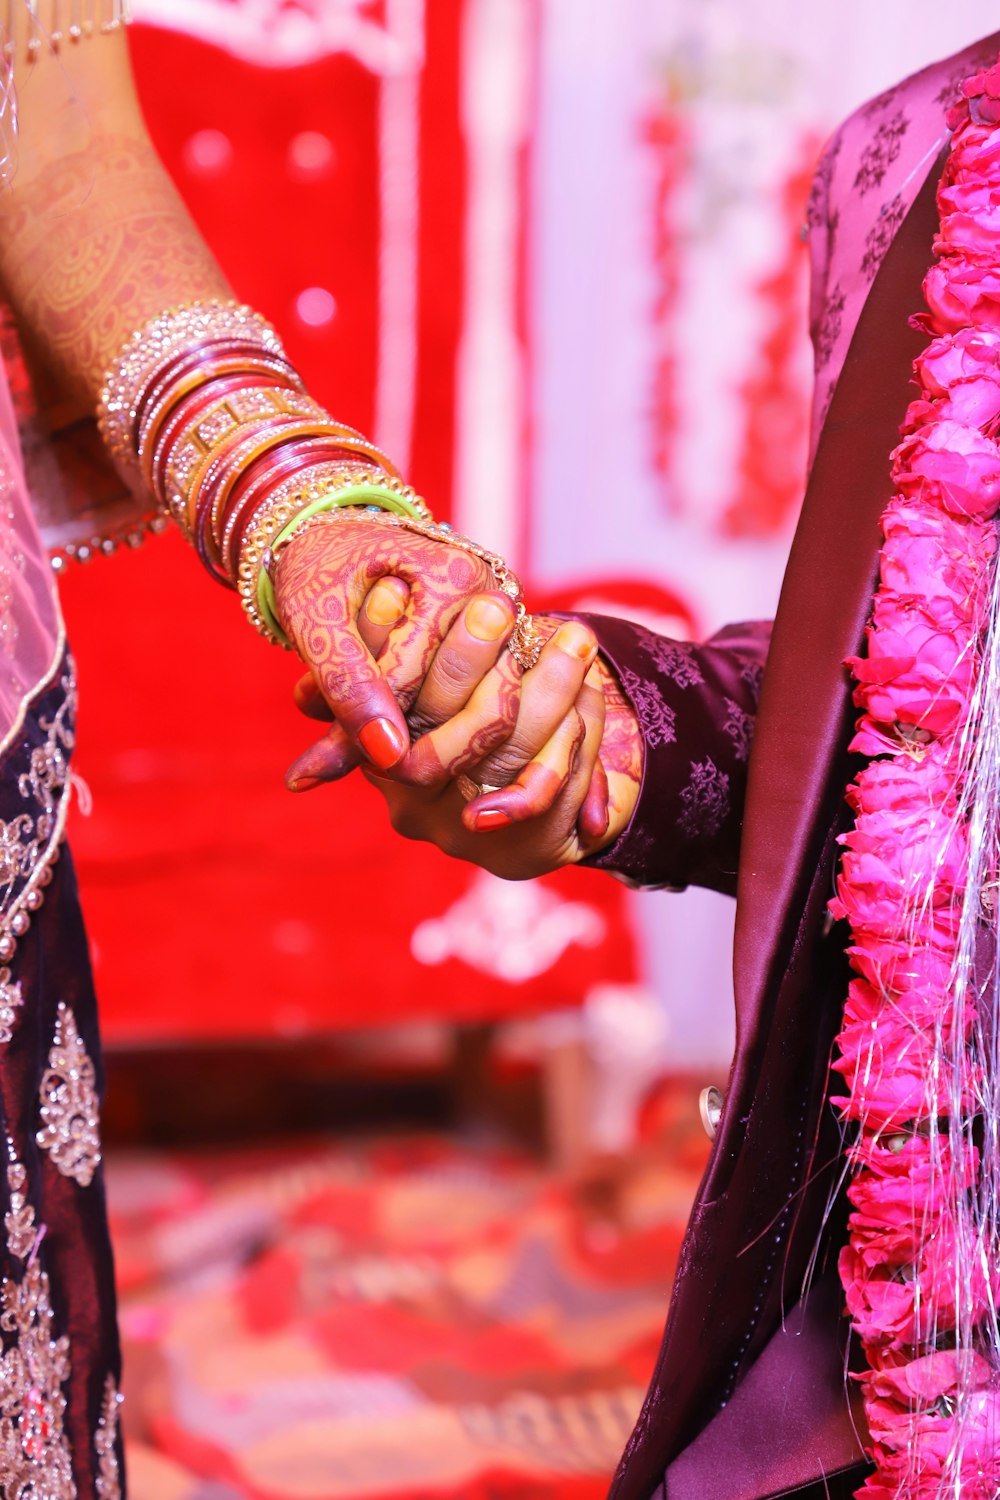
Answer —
(207, 357)
(216, 499)
(188, 411)
(210, 490)
(251, 491)
(245, 370)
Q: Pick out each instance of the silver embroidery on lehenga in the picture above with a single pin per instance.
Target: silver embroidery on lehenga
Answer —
(108, 1483)
(19, 1228)
(35, 1460)
(29, 842)
(69, 1103)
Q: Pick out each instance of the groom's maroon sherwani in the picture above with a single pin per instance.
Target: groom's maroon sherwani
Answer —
(748, 1397)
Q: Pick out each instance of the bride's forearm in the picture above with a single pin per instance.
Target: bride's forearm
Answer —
(94, 238)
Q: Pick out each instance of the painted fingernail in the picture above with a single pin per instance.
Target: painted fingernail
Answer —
(576, 640)
(467, 788)
(382, 742)
(595, 815)
(386, 603)
(491, 817)
(486, 619)
(303, 783)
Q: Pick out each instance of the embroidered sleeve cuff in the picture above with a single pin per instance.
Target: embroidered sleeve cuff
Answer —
(695, 705)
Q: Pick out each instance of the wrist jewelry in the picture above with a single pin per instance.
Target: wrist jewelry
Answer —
(203, 410)
(525, 641)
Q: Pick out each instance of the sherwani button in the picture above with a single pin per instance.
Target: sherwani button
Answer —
(710, 1102)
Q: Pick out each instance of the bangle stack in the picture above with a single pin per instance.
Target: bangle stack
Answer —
(203, 410)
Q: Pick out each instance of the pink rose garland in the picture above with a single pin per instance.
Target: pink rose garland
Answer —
(910, 1052)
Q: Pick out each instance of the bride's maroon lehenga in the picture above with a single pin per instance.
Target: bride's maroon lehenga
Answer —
(59, 1356)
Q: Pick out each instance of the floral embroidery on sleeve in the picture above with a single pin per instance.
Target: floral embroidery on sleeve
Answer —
(739, 727)
(673, 660)
(882, 234)
(705, 800)
(880, 153)
(656, 718)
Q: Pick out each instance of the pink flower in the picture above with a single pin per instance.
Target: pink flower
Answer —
(888, 1078)
(950, 462)
(896, 1215)
(933, 1422)
(881, 1156)
(975, 155)
(960, 373)
(900, 878)
(919, 567)
(905, 1306)
(918, 614)
(900, 966)
(960, 293)
(982, 91)
(915, 674)
(868, 896)
(904, 784)
(959, 537)
(900, 1021)
(970, 219)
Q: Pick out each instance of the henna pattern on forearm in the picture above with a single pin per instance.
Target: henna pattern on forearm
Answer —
(93, 246)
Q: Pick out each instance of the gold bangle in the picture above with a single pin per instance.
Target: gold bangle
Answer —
(159, 416)
(239, 441)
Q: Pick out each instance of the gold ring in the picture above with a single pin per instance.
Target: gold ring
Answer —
(471, 789)
(525, 641)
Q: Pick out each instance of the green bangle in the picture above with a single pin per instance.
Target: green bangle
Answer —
(376, 496)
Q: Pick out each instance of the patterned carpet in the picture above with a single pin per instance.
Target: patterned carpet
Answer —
(403, 1317)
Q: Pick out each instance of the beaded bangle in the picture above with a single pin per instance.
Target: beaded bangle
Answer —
(219, 509)
(209, 361)
(203, 383)
(239, 456)
(376, 499)
(194, 460)
(147, 350)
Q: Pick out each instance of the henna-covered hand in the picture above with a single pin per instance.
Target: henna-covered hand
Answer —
(323, 579)
(556, 804)
(560, 773)
(614, 789)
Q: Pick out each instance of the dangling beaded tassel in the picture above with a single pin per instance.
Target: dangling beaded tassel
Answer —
(51, 23)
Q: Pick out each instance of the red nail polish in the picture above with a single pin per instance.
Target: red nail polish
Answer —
(382, 742)
(304, 783)
(491, 817)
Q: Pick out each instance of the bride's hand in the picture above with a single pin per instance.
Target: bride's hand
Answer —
(547, 769)
(322, 581)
